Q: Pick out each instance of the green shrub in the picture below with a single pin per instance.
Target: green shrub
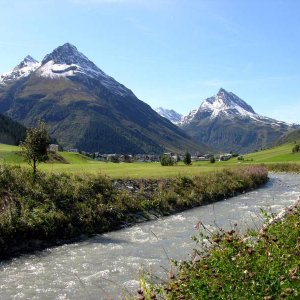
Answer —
(296, 148)
(167, 160)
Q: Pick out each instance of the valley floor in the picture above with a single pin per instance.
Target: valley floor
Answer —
(78, 164)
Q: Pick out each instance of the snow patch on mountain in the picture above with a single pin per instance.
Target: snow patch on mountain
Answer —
(22, 70)
(189, 117)
(67, 61)
(169, 114)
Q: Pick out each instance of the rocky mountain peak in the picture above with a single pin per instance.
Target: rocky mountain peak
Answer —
(222, 91)
(65, 54)
(27, 61)
(66, 61)
(23, 69)
(226, 103)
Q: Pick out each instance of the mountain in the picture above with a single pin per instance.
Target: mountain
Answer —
(228, 123)
(22, 70)
(291, 137)
(11, 132)
(169, 114)
(85, 108)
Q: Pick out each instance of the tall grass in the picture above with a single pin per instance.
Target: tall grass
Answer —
(61, 207)
(284, 167)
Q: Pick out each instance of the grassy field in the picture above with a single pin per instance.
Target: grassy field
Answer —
(81, 164)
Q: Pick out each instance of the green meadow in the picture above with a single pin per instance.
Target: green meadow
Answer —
(277, 154)
(77, 163)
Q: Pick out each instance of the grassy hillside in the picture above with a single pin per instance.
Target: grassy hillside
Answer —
(290, 137)
(12, 155)
(279, 154)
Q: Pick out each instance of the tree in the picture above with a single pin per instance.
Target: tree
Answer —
(115, 159)
(36, 145)
(167, 160)
(212, 160)
(187, 158)
(296, 148)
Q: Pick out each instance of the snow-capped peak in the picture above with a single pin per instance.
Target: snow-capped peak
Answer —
(169, 114)
(67, 61)
(22, 70)
(228, 104)
(224, 104)
(28, 60)
(67, 54)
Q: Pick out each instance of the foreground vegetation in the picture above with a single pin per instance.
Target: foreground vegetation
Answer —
(284, 167)
(263, 265)
(58, 207)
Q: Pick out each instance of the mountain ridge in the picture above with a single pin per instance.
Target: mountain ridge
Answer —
(87, 109)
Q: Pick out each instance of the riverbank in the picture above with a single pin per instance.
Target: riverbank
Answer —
(58, 208)
(262, 265)
(284, 167)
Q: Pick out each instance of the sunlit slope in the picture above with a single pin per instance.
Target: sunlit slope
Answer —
(12, 155)
(277, 154)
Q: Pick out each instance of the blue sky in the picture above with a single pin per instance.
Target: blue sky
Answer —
(171, 53)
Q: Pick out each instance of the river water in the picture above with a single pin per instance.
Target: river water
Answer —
(107, 266)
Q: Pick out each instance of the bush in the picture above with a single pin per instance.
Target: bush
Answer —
(296, 148)
(115, 159)
(212, 160)
(167, 160)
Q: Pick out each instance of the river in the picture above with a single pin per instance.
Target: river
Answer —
(107, 266)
